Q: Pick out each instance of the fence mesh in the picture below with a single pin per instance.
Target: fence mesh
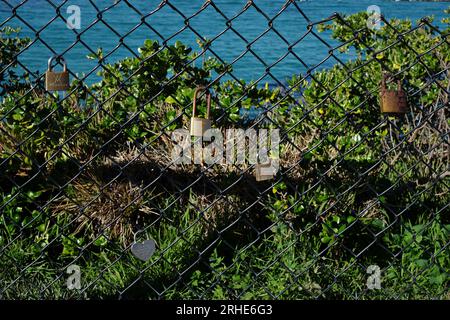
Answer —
(358, 208)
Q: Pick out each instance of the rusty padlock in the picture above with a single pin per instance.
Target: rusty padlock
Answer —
(264, 171)
(57, 81)
(200, 125)
(393, 101)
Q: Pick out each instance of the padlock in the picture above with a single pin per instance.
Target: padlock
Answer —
(57, 81)
(393, 101)
(200, 125)
(264, 171)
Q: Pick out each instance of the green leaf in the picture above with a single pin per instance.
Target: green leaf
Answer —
(234, 117)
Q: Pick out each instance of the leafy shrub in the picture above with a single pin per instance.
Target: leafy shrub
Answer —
(361, 188)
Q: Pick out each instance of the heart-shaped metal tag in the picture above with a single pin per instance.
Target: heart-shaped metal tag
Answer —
(143, 251)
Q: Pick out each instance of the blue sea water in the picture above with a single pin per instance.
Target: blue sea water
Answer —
(120, 30)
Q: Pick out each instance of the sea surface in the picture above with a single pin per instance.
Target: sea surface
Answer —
(120, 30)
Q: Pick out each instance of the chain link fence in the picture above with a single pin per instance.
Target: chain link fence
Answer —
(95, 203)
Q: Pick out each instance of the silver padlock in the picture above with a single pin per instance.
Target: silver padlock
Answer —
(200, 125)
(264, 171)
(57, 81)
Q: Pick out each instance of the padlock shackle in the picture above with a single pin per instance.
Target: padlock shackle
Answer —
(208, 101)
(60, 59)
(386, 76)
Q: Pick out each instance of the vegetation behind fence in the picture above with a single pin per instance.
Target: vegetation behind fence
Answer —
(86, 174)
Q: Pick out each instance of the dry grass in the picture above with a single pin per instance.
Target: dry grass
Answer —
(115, 210)
(218, 212)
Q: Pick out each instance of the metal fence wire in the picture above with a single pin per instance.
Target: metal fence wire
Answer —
(96, 204)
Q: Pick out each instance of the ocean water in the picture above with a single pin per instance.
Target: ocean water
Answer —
(120, 30)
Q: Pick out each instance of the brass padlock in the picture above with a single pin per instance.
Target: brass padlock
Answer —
(393, 101)
(264, 171)
(200, 125)
(57, 81)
